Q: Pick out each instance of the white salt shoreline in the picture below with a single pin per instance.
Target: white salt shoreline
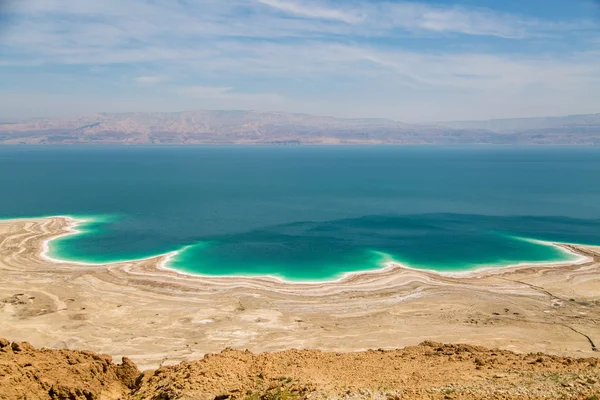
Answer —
(74, 223)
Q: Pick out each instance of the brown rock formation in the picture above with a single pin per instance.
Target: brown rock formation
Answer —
(27, 373)
(428, 371)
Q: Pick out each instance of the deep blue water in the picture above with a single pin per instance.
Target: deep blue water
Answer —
(310, 212)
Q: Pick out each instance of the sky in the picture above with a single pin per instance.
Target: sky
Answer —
(412, 61)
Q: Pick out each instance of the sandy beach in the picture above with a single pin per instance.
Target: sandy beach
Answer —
(156, 316)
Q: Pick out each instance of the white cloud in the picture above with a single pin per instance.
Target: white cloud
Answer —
(457, 19)
(285, 54)
(137, 22)
(163, 31)
(314, 11)
(381, 18)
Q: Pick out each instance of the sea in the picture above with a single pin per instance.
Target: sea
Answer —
(309, 213)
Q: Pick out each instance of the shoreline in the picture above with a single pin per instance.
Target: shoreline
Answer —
(154, 314)
(73, 231)
(487, 269)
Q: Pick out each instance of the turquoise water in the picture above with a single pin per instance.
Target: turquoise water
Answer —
(309, 213)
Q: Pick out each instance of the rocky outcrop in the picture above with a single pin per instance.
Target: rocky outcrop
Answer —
(428, 371)
(27, 373)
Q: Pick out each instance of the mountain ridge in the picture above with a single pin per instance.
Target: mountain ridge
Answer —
(512, 125)
(254, 127)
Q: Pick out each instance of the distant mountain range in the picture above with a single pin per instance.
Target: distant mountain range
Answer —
(587, 123)
(251, 127)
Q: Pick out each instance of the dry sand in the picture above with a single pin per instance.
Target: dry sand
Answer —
(156, 316)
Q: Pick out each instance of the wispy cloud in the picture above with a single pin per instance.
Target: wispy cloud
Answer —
(324, 56)
(137, 22)
(313, 10)
(381, 18)
(459, 19)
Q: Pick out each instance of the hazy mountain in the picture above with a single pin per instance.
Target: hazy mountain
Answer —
(569, 124)
(248, 127)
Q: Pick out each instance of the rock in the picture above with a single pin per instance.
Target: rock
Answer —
(27, 373)
(128, 373)
(23, 346)
(4, 343)
(233, 374)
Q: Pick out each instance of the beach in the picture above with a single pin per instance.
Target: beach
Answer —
(157, 316)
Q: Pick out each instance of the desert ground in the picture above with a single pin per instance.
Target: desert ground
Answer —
(157, 317)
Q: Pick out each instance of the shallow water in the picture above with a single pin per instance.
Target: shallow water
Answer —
(310, 213)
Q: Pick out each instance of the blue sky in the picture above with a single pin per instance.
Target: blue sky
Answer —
(409, 61)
